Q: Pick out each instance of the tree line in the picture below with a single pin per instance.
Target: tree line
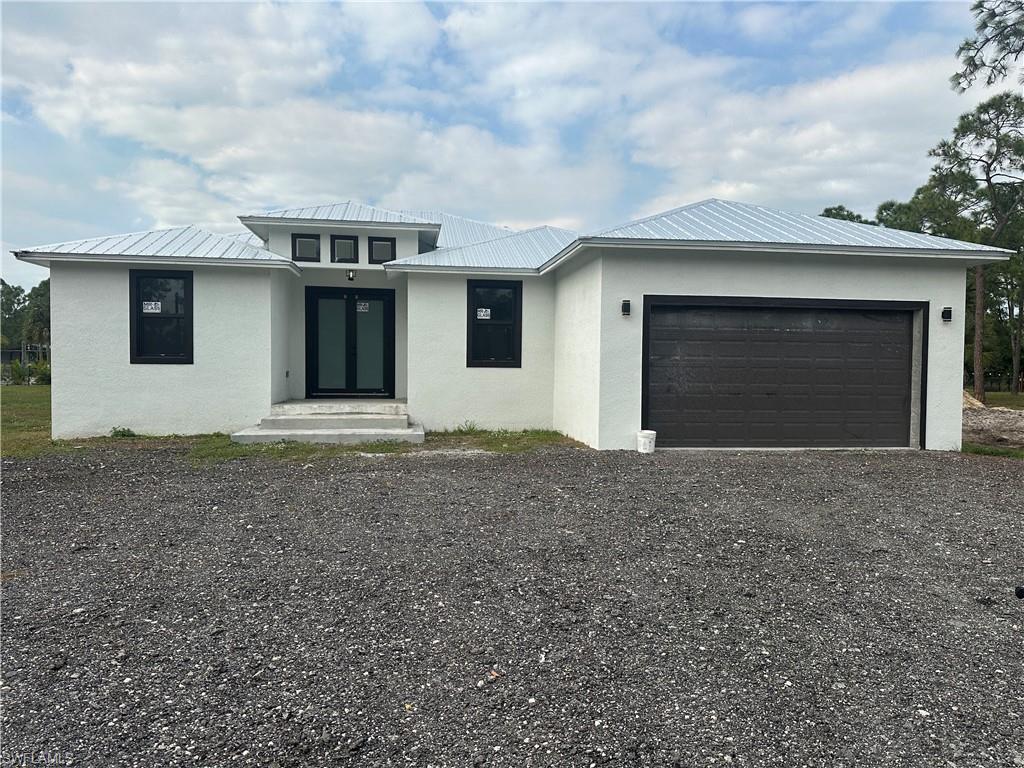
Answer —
(975, 192)
(25, 316)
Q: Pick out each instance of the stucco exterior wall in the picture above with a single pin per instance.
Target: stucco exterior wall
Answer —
(444, 393)
(96, 388)
(329, 276)
(631, 274)
(280, 318)
(578, 349)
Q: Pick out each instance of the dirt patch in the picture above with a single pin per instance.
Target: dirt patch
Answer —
(994, 426)
(970, 401)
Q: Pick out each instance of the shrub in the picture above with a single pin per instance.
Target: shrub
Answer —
(40, 371)
(122, 432)
(19, 374)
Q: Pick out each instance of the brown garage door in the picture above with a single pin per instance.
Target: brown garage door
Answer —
(778, 376)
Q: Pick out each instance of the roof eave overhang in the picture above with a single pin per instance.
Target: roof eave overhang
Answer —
(260, 225)
(457, 270)
(45, 259)
(968, 257)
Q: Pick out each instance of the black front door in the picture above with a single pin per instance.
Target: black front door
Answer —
(350, 342)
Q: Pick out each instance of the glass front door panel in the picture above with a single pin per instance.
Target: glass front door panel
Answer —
(350, 342)
(369, 343)
(332, 322)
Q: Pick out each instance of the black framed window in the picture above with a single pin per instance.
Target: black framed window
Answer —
(344, 249)
(305, 247)
(382, 249)
(495, 324)
(161, 316)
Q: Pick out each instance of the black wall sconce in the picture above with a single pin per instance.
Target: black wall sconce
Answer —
(947, 314)
(351, 274)
(625, 307)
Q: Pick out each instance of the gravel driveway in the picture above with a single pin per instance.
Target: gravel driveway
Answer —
(562, 608)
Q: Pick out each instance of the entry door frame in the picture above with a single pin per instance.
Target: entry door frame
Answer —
(316, 292)
(658, 300)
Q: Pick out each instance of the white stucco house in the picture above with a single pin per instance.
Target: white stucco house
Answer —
(715, 324)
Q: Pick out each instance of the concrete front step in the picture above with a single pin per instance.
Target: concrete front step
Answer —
(412, 434)
(339, 406)
(335, 421)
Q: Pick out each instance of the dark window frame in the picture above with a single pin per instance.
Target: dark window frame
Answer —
(135, 317)
(296, 236)
(517, 324)
(369, 247)
(355, 249)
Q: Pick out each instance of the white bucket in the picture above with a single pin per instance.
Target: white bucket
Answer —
(645, 440)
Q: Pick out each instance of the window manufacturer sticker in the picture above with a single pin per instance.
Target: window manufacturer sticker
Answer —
(483, 313)
(362, 306)
(151, 307)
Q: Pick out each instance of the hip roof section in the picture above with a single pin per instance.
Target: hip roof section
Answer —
(722, 221)
(347, 211)
(177, 243)
(525, 251)
(457, 231)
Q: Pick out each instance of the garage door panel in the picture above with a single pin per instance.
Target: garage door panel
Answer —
(736, 376)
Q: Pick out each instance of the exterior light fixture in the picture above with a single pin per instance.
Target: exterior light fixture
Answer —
(351, 274)
(947, 314)
(625, 307)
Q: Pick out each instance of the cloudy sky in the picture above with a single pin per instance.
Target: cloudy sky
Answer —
(128, 116)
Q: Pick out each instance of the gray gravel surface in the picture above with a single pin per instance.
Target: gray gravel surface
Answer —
(562, 608)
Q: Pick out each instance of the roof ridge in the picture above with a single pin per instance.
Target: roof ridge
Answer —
(661, 214)
(417, 219)
(294, 207)
(400, 212)
(456, 215)
(513, 233)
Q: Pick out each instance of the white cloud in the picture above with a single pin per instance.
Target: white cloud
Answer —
(519, 113)
(546, 66)
(821, 25)
(393, 33)
(201, 55)
(173, 194)
(856, 138)
(851, 26)
(763, 22)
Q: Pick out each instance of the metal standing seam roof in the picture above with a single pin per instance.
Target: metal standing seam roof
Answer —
(346, 211)
(714, 221)
(454, 230)
(175, 243)
(457, 231)
(527, 250)
(249, 238)
(708, 222)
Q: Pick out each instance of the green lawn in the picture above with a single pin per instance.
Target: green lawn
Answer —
(1005, 400)
(24, 420)
(25, 431)
(993, 450)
